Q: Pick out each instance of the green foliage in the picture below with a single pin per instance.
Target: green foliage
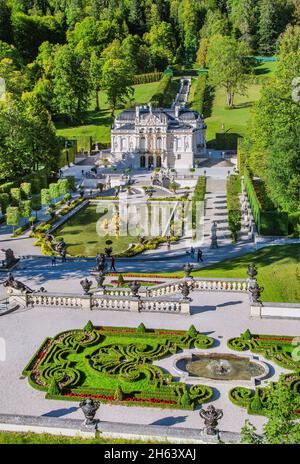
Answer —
(88, 327)
(141, 328)
(53, 389)
(228, 66)
(63, 186)
(98, 369)
(121, 280)
(146, 78)
(15, 195)
(54, 191)
(12, 216)
(159, 97)
(192, 332)
(185, 400)
(118, 396)
(45, 197)
(233, 204)
(72, 183)
(267, 222)
(25, 189)
(25, 208)
(198, 103)
(4, 202)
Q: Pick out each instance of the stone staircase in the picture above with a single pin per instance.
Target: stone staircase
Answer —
(216, 210)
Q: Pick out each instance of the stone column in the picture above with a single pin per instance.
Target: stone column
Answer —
(135, 305)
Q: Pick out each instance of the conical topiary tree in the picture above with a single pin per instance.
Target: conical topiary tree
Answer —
(121, 280)
(141, 328)
(256, 404)
(119, 395)
(88, 327)
(192, 332)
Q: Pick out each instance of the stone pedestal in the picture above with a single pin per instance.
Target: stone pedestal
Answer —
(135, 305)
(86, 303)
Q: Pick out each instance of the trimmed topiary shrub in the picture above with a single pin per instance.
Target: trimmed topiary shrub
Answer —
(192, 332)
(88, 327)
(141, 328)
(119, 395)
(185, 400)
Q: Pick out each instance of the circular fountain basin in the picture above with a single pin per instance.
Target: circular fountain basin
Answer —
(220, 367)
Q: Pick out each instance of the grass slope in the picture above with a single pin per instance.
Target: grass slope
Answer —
(236, 120)
(278, 271)
(97, 123)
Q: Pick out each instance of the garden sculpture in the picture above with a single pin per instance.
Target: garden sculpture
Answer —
(89, 408)
(185, 289)
(16, 284)
(86, 285)
(211, 417)
(213, 237)
(188, 269)
(256, 291)
(134, 287)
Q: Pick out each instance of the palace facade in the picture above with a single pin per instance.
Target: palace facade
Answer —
(144, 137)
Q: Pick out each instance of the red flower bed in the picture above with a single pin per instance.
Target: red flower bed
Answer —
(282, 339)
(86, 395)
(111, 398)
(171, 333)
(138, 280)
(152, 276)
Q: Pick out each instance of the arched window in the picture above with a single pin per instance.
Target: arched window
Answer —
(159, 143)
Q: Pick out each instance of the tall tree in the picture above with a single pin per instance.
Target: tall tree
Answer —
(116, 81)
(227, 66)
(71, 82)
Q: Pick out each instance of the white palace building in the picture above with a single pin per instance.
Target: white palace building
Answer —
(147, 138)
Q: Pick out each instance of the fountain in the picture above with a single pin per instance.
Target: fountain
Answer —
(221, 367)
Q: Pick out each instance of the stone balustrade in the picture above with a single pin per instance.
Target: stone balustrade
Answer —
(104, 302)
(200, 284)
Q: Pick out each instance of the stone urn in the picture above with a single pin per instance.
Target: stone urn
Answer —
(89, 408)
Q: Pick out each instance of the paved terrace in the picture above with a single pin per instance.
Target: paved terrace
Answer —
(220, 315)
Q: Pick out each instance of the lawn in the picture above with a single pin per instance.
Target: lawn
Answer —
(29, 438)
(97, 123)
(236, 120)
(278, 271)
(115, 364)
(82, 239)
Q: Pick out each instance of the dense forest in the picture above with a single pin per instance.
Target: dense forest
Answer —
(56, 56)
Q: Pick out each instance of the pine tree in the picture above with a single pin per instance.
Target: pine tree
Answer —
(268, 27)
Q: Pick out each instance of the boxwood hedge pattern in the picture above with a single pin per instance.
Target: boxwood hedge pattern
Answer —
(278, 348)
(115, 365)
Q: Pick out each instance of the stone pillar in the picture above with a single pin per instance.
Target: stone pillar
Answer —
(185, 307)
(255, 311)
(86, 302)
(135, 305)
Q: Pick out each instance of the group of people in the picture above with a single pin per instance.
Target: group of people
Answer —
(198, 255)
(101, 262)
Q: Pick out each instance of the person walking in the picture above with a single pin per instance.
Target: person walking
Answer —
(112, 264)
(53, 260)
(199, 255)
(192, 252)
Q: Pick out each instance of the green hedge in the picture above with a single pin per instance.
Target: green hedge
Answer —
(147, 78)
(233, 188)
(199, 94)
(199, 195)
(136, 382)
(158, 98)
(267, 222)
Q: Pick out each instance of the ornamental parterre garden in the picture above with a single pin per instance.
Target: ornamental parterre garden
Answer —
(114, 364)
(281, 350)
